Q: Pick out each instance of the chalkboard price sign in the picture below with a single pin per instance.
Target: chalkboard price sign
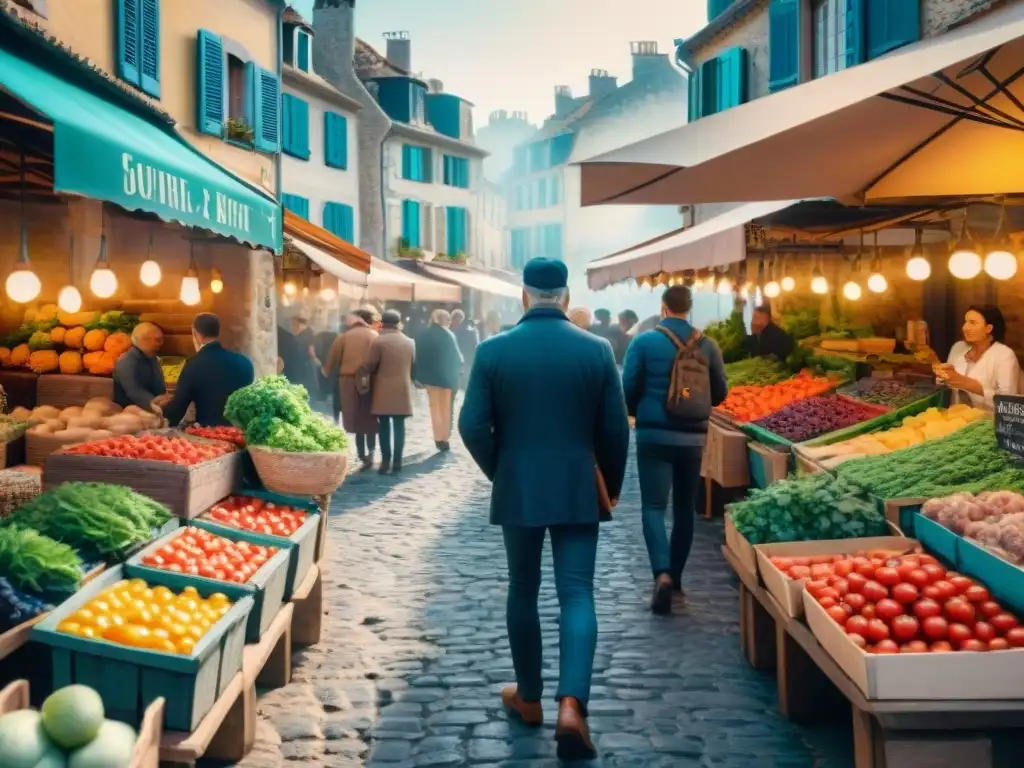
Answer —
(1009, 413)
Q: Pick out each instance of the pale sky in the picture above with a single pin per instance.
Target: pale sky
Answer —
(510, 55)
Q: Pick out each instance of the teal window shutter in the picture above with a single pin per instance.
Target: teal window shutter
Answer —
(128, 54)
(426, 164)
(520, 163)
(783, 44)
(296, 204)
(303, 55)
(296, 127)
(456, 229)
(149, 45)
(694, 101)
(709, 87)
(891, 24)
(210, 84)
(542, 192)
(407, 162)
(339, 220)
(716, 8)
(561, 149)
(411, 223)
(856, 32)
(732, 78)
(266, 109)
(335, 140)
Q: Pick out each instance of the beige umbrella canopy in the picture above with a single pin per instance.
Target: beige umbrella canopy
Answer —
(942, 117)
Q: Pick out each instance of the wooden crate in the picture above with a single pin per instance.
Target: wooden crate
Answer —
(129, 679)
(63, 390)
(186, 491)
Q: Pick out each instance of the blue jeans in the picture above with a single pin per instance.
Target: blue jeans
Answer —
(664, 468)
(574, 548)
(389, 424)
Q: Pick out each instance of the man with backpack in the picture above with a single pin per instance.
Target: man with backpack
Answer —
(672, 376)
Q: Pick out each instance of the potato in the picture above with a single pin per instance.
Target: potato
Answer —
(46, 412)
(121, 429)
(54, 424)
(74, 433)
(90, 420)
(21, 414)
(102, 406)
(135, 423)
(41, 429)
(71, 412)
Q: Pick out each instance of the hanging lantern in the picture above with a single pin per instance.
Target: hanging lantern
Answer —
(190, 294)
(69, 299)
(103, 281)
(819, 284)
(876, 280)
(964, 261)
(291, 290)
(852, 290)
(216, 281)
(23, 284)
(150, 273)
(1001, 261)
(918, 266)
(788, 283)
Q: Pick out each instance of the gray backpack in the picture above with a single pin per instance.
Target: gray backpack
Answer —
(689, 389)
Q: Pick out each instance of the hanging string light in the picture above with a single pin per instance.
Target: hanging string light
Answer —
(1001, 261)
(918, 266)
(724, 285)
(964, 261)
(772, 287)
(190, 294)
(70, 298)
(876, 280)
(216, 281)
(788, 283)
(819, 284)
(23, 284)
(150, 273)
(103, 282)
(852, 290)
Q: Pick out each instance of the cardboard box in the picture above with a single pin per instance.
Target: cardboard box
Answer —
(767, 466)
(740, 547)
(725, 457)
(788, 591)
(918, 676)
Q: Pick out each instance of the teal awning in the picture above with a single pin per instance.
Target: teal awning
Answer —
(104, 151)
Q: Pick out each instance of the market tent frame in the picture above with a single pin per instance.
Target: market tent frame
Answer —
(935, 119)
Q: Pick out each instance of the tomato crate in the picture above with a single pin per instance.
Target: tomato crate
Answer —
(938, 540)
(1004, 579)
(130, 679)
(301, 545)
(266, 586)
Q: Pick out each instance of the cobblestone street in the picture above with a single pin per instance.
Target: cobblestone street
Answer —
(414, 651)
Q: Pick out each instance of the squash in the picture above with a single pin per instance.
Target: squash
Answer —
(20, 355)
(100, 434)
(94, 340)
(117, 343)
(69, 319)
(57, 334)
(74, 337)
(70, 362)
(46, 412)
(43, 361)
(21, 413)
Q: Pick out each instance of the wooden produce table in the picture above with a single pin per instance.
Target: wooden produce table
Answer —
(886, 734)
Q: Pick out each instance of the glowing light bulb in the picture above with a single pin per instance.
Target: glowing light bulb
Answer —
(189, 294)
(290, 290)
(328, 294)
(772, 289)
(216, 281)
(964, 265)
(819, 285)
(919, 268)
(788, 283)
(724, 286)
(69, 299)
(150, 274)
(852, 291)
(23, 285)
(877, 283)
(1001, 265)
(103, 283)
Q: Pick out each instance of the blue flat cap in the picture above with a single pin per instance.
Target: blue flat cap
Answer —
(545, 274)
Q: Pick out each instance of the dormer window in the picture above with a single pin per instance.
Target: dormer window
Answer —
(298, 47)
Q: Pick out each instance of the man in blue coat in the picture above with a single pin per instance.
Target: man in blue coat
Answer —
(543, 405)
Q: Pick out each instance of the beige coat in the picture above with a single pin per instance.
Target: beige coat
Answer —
(389, 363)
(349, 351)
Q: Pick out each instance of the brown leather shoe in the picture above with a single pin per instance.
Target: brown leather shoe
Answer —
(572, 733)
(530, 712)
(661, 598)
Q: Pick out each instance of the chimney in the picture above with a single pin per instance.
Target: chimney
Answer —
(601, 83)
(498, 115)
(564, 101)
(646, 59)
(435, 86)
(399, 50)
(334, 24)
(519, 115)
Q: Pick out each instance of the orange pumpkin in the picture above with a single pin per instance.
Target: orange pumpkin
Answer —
(70, 362)
(94, 340)
(117, 343)
(74, 336)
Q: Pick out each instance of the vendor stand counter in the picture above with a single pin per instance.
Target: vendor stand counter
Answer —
(886, 734)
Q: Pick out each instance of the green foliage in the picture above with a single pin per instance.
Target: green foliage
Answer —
(40, 340)
(729, 335)
(758, 371)
(276, 414)
(114, 321)
(32, 561)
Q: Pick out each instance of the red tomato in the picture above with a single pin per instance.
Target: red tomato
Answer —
(819, 559)
(984, 631)
(935, 572)
(905, 628)
(998, 644)
(935, 628)
(857, 640)
(858, 625)
(887, 576)
(945, 589)
(1004, 623)
(927, 559)
(959, 634)
(844, 568)
(887, 609)
(914, 646)
(919, 578)
(841, 585)
(941, 647)
(925, 608)
(856, 582)
(974, 645)
(1015, 637)
(958, 610)
(815, 587)
(932, 592)
(877, 630)
(976, 593)
(904, 593)
(990, 608)
(818, 571)
(827, 602)
(865, 569)
(868, 611)
(874, 592)
(960, 583)
(886, 646)
(855, 601)
(837, 614)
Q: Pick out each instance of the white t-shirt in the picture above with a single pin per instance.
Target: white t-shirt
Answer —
(997, 370)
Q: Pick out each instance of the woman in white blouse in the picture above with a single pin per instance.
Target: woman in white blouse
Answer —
(981, 366)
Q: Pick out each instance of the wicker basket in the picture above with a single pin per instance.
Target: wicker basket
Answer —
(301, 474)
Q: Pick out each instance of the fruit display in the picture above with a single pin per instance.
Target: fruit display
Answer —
(134, 614)
(729, 334)
(276, 414)
(71, 730)
(249, 513)
(969, 460)
(754, 402)
(95, 518)
(890, 392)
(992, 519)
(812, 507)
(815, 416)
(198, 552)
(97, 419)
(756, 371)
(912, 604)
(825, 567)
(52, 341)
(18, 606)
(150, 447)
(928, 425)
(227, 434)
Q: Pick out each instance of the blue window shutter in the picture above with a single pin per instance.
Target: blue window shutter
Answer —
(128, 54)
(302, 127)
(716, 8)
(732, 78)
(296, 123)
(856, 32)
(210, 84)
(783, 44)
(266, 109)
(542, 192)
(891, 24)
(406, 161)
(456, 229)
(338, 219)
(709, 87)
(296, 204)
(694, 101)
(348, 224)
(427, 173)
(465, 174)
(149, 47)
(411, 223)
(303, 56)
(335, 140)
(561, 150)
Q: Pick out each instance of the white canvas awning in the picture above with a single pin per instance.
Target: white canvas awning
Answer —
(941, 117)
(713, 243)
(479, 281)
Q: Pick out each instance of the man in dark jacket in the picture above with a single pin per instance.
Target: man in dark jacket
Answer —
(138, 377)
(766, 337)
(669, 449)
(469, 339)
(543, 405)
(209, 377)
(438, 366)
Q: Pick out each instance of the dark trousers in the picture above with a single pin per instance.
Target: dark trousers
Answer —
(366, 444)
(391, 453)
(664, 469)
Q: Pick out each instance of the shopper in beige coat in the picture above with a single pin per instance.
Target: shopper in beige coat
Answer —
(348, 353)
(389, 371)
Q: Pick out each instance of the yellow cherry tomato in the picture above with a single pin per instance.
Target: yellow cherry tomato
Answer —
(103, 622)
(160, 633)
(188, 605)
(195, 632)
(218, 598)
(190, 590)
(163, 595)
(177, 631)
(198, 620)
(69, 627)
(122, 584)
(84, 616)
(114, 603)
(99, 606)
(185, 645)
(91, 632)
(137, 586)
